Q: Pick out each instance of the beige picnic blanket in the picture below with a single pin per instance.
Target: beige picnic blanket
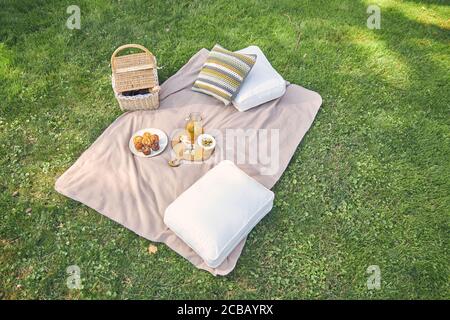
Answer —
(135, 191)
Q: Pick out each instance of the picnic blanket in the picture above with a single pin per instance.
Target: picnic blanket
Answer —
(135, 191)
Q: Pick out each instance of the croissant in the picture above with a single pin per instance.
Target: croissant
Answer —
(146, 140)
(147, 134)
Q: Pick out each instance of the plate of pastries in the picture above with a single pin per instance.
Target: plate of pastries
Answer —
(148, 142)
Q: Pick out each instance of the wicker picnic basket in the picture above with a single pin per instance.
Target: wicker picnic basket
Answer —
(134, 73)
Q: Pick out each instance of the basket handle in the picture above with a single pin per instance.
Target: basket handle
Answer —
(126, 46)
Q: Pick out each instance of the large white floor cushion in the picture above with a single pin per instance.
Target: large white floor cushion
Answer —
(263, 83)
(218, 211)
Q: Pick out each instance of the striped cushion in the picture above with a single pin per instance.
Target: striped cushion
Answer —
(223, 73)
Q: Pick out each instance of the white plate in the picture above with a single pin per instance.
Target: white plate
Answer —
(163, 142)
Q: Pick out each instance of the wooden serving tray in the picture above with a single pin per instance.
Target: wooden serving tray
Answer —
(180, 148)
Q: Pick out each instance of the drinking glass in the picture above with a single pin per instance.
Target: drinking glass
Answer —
(194, 126)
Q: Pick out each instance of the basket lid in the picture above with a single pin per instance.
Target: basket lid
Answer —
(132, 62)
(134, 71)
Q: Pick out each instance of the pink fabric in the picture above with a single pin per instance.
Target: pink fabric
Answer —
(135, 191)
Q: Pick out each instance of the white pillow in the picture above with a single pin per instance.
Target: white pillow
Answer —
(262, 84)
(218, 211)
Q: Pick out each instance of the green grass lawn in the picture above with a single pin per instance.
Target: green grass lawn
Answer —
(368, 185)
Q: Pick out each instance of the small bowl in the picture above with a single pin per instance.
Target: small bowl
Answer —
(206, 136)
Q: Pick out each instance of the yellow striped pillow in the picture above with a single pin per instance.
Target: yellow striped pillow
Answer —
(223, 73)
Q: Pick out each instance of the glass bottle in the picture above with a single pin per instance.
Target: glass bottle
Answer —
(194, 126)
